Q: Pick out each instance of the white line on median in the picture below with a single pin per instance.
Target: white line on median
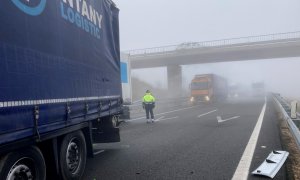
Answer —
(242, 171)
(163, 113)
(207, 113)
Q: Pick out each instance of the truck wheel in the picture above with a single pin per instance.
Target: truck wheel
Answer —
(73, 156)
(26, 164)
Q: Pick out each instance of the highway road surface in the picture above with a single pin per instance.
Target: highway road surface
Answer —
(206, 141)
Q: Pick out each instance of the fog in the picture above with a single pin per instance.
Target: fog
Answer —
(279, 75)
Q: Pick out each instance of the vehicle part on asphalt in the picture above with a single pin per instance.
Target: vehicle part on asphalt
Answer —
(272, 164)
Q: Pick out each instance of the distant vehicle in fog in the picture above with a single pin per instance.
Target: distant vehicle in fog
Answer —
(208, 88)
(258, 89)
(233, 91)
(189, 45)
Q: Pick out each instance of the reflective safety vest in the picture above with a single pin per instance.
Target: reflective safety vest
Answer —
(148, 99)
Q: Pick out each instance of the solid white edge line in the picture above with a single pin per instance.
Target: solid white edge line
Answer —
(242, 170)
(162, 113)
(207, 113)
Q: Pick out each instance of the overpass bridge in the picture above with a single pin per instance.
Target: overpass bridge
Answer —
(283, 45)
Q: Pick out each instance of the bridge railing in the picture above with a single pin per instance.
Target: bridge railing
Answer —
(215, 43)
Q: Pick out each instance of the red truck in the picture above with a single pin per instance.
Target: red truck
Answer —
(208, 88)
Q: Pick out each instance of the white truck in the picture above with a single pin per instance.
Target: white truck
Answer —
(126, 79)
(126, 85)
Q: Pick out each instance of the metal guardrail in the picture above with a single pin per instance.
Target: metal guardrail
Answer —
(285, 110)
(215, 43)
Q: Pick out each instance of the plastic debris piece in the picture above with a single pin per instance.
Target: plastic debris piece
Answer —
(272, 164)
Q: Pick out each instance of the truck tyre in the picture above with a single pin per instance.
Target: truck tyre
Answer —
(72, 156)
(26, 164)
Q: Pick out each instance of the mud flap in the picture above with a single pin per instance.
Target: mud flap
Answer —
(108, 135)
(272, 164)
(125, 113)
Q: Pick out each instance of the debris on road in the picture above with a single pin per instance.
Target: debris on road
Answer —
(272, 164)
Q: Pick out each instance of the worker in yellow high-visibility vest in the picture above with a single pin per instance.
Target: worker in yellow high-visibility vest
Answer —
(149, 105)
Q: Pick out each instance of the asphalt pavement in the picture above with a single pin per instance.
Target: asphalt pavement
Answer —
(206, 141)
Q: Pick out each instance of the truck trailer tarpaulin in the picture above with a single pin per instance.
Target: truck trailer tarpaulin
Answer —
(54, 56)
(60, 52)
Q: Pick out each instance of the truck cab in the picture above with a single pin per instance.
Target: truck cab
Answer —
(207, 88)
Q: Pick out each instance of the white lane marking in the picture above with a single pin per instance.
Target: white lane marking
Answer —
(163, 113)
(220, 120)
(99, 152)
(159, 118)
(242, 171)
(135, 119)
(207, 113)
(167, 118)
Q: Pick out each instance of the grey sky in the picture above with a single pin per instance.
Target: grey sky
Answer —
(152, 23)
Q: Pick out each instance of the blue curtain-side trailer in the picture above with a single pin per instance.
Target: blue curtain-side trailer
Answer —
(60, 85)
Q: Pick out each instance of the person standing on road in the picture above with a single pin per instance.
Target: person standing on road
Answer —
(149, 105)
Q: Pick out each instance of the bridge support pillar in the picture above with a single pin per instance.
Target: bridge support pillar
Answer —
(174, 81)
